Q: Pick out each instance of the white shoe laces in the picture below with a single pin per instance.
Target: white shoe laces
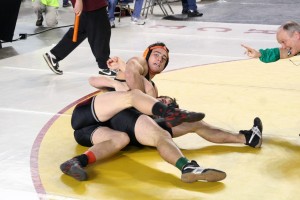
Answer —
(255, 131)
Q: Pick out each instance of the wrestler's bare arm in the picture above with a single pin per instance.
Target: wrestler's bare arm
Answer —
(136, 69)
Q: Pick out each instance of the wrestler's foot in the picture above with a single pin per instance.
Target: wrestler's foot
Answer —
(73, 168)
(254, 135)
(175, 116)
(192, 172)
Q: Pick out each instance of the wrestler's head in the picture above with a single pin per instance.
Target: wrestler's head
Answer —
(157, 56)
(168, 101)
(288, 36)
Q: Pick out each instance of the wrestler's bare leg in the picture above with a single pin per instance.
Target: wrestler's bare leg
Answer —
(157, 137)
(110, 103)
(208, 132)
(107, 142)
(252, 137)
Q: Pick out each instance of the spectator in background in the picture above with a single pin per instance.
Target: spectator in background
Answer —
(189, 7)
(136, 15)
(111, 12)
(288, 36)
(49, 8)
(94, 25)
(66, 3)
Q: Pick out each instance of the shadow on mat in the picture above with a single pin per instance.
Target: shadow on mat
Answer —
(181, 17)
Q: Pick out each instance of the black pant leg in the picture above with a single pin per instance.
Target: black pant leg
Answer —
(99, 33)
(65, 46)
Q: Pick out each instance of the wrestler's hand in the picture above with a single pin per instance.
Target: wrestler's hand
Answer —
(252, 53)
(116, 63)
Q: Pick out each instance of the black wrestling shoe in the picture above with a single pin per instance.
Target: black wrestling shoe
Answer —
(176, 116)
(107, 72)
(192, 172)
(52, 64)
(194, 13)
(254, 135)
(73, 168)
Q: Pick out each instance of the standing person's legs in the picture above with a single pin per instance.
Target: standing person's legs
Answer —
(65, 46)
(38, 8)
(99, 33)
(138, 5)
(136, 15)
(185, 6)
(192, 5)
(111, 12)
(189, 7)
(51, 16)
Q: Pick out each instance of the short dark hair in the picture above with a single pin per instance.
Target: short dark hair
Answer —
(173, 101)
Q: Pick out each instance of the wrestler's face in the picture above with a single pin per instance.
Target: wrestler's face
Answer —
(157, 60)
(289, 41)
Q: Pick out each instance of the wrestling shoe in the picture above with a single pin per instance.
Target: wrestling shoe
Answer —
(176, 116)
(192, 172)
(73, 168)
(52, 64)
(254, 135)
(107, 72)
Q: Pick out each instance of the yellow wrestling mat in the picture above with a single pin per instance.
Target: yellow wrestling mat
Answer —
(231, 94)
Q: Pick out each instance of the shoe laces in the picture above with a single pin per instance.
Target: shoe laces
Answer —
(255, 131)
(192, 167)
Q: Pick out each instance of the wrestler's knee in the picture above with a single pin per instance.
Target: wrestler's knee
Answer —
(121, 140)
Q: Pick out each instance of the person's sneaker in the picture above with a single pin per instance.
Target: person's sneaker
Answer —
(53, 64)
(108, 72)
(137, 21)
(73, 168)
(194, 13)
(112, 24)
(39, 21)
(67, 5)
(254, 135)
(192, 172)
(175, 116)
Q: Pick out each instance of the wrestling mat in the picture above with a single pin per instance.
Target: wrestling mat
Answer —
(231, 94)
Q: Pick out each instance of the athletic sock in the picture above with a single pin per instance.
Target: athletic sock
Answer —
(91, 157)
(83, 160)
(181, 162)
(159, 109)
